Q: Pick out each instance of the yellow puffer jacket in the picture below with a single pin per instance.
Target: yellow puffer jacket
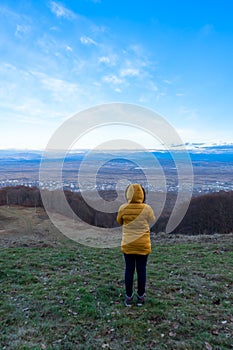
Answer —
(136, 217)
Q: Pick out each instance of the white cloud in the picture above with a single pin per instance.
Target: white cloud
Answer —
(112, 79)
(22, 22)
(68, 48)
(61, 11)
(96, 28)
(110, 60)
(58, 87)
(167, 81)
(36, 94)
(21, 30)
(85, 40)
(8, 13)
(104, 59)
(153, 87)
(129, 72)
(6, 66)
(118, 90)
(136, 49)
(65, 96)
(34, 111)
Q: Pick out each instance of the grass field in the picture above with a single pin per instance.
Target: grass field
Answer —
(71, 297)
(57, 294)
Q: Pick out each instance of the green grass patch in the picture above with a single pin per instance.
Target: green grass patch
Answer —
(71, 297)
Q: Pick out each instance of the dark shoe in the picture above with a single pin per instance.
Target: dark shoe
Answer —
(140, 300)
(128, 301)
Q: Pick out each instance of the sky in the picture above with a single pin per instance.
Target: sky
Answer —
(58, 58)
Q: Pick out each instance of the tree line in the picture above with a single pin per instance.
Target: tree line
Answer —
(207, 214)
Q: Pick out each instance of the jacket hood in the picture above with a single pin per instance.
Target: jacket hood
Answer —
(135, 193)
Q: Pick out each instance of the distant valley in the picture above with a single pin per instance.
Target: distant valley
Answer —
(212, 169)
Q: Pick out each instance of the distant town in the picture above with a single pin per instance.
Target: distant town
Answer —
(214, 186)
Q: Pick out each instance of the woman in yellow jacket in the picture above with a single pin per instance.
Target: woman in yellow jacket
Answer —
(135, 216)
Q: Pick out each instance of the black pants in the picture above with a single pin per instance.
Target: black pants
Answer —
(132, 261)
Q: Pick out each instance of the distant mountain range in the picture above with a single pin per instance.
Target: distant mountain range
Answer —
(20, 154)
(210, 147)
(194, 149)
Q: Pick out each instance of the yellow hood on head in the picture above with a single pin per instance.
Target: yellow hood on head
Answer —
(135, 194)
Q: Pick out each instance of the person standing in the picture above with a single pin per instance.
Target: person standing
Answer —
(135, 217)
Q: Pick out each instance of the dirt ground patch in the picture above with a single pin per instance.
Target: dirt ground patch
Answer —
(31, 227)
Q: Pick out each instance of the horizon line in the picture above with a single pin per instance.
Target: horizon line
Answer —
(182, 147)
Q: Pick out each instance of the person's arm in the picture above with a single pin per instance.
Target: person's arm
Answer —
(119, 218)
(151, 215)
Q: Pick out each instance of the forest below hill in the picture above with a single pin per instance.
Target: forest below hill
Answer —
(207, 214)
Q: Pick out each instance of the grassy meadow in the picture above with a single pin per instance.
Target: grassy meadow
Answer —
(71, 297)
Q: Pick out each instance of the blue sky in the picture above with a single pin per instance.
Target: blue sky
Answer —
(60, 57)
